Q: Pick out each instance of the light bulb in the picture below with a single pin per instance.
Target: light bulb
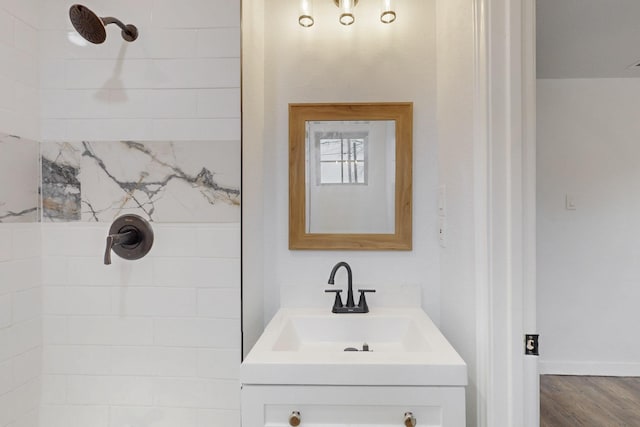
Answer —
(305, 17)
(387, 11)
(346, 15)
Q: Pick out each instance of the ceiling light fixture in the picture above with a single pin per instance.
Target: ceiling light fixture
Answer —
(347, 17)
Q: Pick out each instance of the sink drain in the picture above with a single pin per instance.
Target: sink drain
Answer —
(365, 347)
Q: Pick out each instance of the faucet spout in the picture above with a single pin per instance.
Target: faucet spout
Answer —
(350, 301)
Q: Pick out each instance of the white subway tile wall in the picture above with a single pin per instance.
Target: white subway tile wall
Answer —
(19, 82)
(180, 80)
(20, 325)
(153, 342)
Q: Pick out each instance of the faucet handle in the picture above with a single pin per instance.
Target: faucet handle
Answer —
(337, 303)
(362, 302)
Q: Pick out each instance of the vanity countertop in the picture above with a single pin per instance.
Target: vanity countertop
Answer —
(305, 346)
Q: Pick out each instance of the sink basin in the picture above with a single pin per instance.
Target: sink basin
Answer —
(323, 333)
(306, 346)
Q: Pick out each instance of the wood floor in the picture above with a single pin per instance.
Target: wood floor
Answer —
(576, 401)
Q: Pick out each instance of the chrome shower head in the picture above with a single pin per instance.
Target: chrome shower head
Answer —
(92, 27)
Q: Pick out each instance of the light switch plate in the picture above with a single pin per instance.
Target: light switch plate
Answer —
(442, 200)
(570, 202)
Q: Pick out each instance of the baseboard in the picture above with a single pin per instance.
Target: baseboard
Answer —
(606, 369)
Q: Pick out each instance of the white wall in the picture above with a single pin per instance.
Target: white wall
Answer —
(588, 269)
(20, 324)
(253, 207)
(331, 63)
(457, 176)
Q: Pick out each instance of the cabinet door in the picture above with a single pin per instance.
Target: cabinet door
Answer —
(330, 406)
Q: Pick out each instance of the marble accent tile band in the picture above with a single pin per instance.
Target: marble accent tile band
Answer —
(19, 179)
(162, 181)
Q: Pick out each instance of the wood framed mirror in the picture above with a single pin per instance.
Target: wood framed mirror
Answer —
(350, 176)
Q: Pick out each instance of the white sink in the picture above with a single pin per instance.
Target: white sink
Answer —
(334, 333)
(306, 346)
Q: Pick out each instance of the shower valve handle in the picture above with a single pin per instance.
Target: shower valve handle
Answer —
(127, 238)
(130, 237)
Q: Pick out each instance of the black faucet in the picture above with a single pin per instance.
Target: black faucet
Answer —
(350, 307)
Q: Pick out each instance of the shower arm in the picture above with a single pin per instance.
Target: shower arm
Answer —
(111, 20)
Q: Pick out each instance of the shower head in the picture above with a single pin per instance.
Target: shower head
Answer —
(92, 27)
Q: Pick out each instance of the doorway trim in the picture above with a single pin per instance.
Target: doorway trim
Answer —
(531, 380)
(505, 130)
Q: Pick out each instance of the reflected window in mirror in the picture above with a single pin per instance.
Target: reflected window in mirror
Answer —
(338, 151)
(341, 158)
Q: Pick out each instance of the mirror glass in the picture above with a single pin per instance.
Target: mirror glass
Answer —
(350, 176)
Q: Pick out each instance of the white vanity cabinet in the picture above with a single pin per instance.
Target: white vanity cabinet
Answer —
(342, 406)
(304, 363)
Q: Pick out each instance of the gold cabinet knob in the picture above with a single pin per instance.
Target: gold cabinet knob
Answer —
(409, 419)
(294, 418)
